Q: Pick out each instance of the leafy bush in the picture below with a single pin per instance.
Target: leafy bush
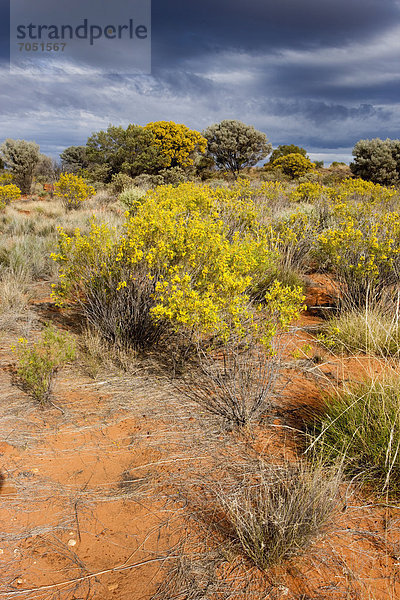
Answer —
(8, 193)
(120, 182)
(132, 198)
(234, 145)
(72, 190)
(377, 160)
(295, 165)
(199, 270)
(361, 427)
(362, 249)
(38, 364)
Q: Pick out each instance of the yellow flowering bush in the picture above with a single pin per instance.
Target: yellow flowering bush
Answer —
(363, 251)
(295, 165)
(176, 142)
(311, 192)
(8, 193)
(193, 269)
(359, 189)
(5, 178)
(293, 237)
(72, 190)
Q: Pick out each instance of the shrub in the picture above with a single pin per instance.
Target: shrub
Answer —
(132, 198)
(72, 190)
(377, 160)
(295, 165)
(8, 193)
(199, 273)
(293, 236)
(38, 364)
(361, 427)
(174, 175)
(285, 149)
(237, 381)
(362, 249)
(177, 143)
(6, 178)
(358, 190)
(120, 182)
(310, 192)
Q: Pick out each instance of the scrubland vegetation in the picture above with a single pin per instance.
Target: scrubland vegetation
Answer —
(200, 265)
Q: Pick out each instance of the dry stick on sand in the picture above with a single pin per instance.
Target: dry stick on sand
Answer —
(116, 569)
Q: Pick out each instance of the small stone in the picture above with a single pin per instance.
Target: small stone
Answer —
(113, 586)
(71, 542)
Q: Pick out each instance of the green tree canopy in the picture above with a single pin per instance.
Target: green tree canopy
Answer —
(377, 160)
(21, 158)
(132, 151)
(74, 159)
(235, 145)
(285, 149)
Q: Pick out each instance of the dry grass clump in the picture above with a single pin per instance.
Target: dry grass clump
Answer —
(13, 302)
(28, 256)
(276, 514)
(245, 523)
(97, 355)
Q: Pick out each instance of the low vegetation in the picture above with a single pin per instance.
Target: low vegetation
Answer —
(360, 428)
(38, 363)
(187, 257)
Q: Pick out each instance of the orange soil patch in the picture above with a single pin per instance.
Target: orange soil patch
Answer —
(82, 498)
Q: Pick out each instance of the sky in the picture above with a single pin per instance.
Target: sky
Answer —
(321, 74)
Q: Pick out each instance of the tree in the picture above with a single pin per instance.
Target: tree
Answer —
(21, 158)
(117, 150)
(178, 145)
(377, 160)
(295, 165)
(285, 149)
(74, 159)
(235, 145)
(47, 170)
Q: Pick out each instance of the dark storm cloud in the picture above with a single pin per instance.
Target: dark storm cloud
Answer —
(183, 30)
(321, 74)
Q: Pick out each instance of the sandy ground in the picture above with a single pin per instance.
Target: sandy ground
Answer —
(86, 504)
